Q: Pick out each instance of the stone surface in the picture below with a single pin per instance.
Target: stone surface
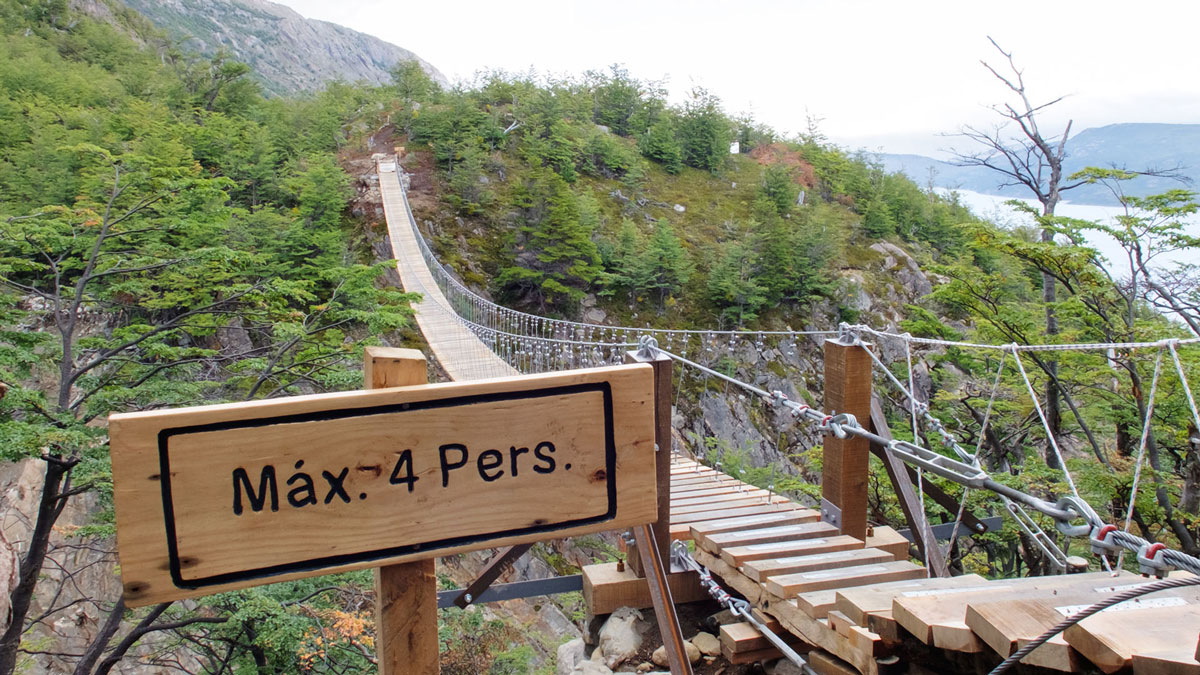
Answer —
(621, 636)
(707, 643)
(785, 667)
(288, 52)
(570, 655)
(592, 668)
(659, 657)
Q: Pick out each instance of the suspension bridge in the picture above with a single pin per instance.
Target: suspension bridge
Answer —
(820, 586)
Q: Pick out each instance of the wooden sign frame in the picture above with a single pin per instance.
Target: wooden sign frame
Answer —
(172, 469)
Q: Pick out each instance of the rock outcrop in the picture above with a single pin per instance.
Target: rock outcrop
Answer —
(288, 52)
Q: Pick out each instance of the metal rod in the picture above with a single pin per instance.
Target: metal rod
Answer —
(664, 605)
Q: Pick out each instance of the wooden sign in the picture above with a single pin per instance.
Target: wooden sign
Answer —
(219, 497)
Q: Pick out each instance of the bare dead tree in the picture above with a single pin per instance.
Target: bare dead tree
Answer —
(1028, 158)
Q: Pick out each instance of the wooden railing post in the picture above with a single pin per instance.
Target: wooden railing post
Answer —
(406, 637)
(663, 396)
(846, 463)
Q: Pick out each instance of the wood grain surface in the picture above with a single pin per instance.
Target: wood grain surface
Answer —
(396, 474)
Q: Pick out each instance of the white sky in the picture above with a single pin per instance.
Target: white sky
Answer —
(882, 74)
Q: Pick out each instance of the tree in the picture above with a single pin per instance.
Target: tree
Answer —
(665, 262)
(661, 144)
(412, 82)
(617, 98)
(556, 259)
(734, 285)
(704, 132)
(1033, 160)
(779, 187)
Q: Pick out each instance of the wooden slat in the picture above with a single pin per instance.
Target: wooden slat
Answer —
(888, 539)
(765, 535)
(741, 512)
(761, 495)
(857, 603)
(787, 585)
(718, 490)
(744, 523)
(848, 557)
(1175, 661)
(940, 619)
(704, 505)
(680, 490)
(1111, 638)
(605, 589)
(765, 560)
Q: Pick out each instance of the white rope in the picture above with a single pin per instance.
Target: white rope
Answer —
(1183, 379)
(1045, 424)
(1137, 471)
(1083, 346)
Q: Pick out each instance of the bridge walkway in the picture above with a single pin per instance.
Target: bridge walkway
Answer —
(461, 353)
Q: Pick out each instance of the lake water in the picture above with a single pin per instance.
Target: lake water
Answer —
(993, 208)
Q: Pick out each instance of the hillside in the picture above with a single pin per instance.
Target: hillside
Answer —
(288, 52)
(1130, 146)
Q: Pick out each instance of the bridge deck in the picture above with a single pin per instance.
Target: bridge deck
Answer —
(854, 604)
(851, 604)
(462, 355)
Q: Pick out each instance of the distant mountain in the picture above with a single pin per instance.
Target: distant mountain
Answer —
(1126, 146)
(288, 52)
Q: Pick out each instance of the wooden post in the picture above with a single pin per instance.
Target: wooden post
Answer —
(405, 594)
(663, 396)
(846, 463)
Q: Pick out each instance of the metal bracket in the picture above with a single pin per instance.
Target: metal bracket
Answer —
(831, 513)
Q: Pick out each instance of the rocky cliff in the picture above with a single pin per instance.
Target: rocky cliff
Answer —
(288, 52)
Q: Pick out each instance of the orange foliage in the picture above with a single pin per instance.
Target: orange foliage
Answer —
(778, 153)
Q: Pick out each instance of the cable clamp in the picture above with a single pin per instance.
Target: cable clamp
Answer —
(1150, 560)
(1101, 539)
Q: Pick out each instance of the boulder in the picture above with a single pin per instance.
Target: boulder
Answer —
(621, 636)
(707, 643)
(570, 655)
(659, 657)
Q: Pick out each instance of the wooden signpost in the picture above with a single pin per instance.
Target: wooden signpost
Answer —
(220, 497)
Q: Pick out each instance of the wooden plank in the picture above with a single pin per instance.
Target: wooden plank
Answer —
(759, 561)
(1111, 638)
(939, 619)
(818, 633)
(765, 535)
(337, 458)
(761, 495)
(827, 664)
(887, 539)
(1006, 623)
(682, 489)
(846, 462)
(740, 512)
(788, 585)
(777, 501)
(662, 399)
(910, 504)
(605, 588)
(406, 606)
(742, 637)
(717, 490)
(1175, 661)
(848, 557)
(780, 518)
(858, 603)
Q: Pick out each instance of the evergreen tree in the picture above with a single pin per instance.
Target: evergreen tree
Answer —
(734, 285)
(779, 187)
(558, 260)
(665, 265)
(662, 145)
(617, 99)
(704, 132)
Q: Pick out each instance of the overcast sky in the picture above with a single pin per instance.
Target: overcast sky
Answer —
(880, 74)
